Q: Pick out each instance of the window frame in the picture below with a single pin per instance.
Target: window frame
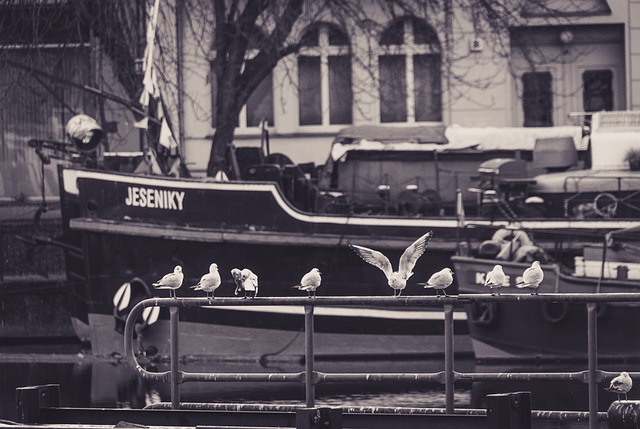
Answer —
(408, 50)
(324, 50)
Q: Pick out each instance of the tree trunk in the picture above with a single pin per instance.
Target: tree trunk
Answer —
(222, 141)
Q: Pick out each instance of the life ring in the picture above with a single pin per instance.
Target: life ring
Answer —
(605, 205)
(483, 313)
(510, 241)
(554, 312)
(126, 297)
(505, 235)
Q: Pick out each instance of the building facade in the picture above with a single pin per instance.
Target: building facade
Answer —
(585, 58)
(400, 69)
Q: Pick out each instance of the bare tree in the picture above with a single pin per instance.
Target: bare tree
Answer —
(249, 38)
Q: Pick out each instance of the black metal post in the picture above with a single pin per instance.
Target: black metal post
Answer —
(30, 400)
(592, 355)
(448, 358)
(509, 410)
(175, 360)
(309, 356)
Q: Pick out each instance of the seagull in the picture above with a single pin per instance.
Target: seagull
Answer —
(236, 273)
(249, 283)
(397, 280)
(531, 278)
(495, 278)
(209, 282)
(439, 281)
(621, 384)
(171, 281)
(310, 282)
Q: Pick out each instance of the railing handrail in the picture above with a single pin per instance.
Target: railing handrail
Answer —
(310, 377)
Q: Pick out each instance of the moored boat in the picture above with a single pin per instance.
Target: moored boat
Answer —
(550, 330)
(280, 220)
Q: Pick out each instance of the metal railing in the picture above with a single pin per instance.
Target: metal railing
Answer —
(592, 376)
(605, 203)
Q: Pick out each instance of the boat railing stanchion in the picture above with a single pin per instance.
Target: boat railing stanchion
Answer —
(309, 385)
(448, 356)
(175, 359)
(592, 356)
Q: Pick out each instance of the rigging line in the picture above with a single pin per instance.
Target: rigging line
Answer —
(286, 346)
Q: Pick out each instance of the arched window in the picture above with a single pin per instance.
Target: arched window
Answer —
(409, 67)
(324, 76)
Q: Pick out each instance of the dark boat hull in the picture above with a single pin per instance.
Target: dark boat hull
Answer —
(556, 331)
(124, 228)
(119, 245)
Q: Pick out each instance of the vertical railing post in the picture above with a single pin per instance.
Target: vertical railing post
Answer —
(592, 354)
(175, 361)
(309, 386)
(448, 358)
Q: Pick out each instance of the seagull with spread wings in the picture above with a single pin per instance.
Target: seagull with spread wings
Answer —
(397, 280)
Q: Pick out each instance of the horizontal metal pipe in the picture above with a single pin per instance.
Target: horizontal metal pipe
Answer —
(297, 377)
(391, 301)
(330, 377)
(535, 414)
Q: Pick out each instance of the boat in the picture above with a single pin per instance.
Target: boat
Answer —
(381, 187)
(130, 246)
(547, 330)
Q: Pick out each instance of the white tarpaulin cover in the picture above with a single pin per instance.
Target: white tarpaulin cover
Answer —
(457, 138)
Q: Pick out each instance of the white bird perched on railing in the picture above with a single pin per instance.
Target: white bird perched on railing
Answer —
(249, 283)
(397, 280)
(171, 281)
(532, 277)
(310, 282)
(495, 279)
(209, 282)
(236, 273)
(439, 281)
(620, 385)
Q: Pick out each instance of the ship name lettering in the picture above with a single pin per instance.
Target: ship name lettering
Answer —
(154, 198)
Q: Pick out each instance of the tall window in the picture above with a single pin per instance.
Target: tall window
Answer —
(410, 73)
(597, 92)
(537, 99)
(324, 77)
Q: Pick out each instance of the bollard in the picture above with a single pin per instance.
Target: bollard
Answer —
(327, 418)
(509, 410)
(29, 401)
(624, 414)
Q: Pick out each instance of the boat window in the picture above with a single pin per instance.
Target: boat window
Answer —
(409, 68)
(324, 76)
